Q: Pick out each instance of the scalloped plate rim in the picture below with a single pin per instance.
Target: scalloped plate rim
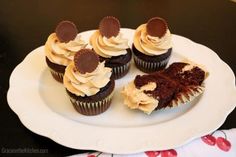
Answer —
(100, 145)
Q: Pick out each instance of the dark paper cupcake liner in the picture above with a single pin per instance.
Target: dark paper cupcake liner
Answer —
(149, 67)
(57, 75)
(92, 108)
(191, 94)
(120, 71)
(119, 64)
(56, 70)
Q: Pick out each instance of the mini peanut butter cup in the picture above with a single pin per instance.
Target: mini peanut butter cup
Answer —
(66, 31)
(109, 26)
(156, 27)
(86, 60)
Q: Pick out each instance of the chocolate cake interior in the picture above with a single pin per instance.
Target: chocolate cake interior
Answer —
(173, 83)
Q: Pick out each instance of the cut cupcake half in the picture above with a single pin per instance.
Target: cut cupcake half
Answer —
(179, 84)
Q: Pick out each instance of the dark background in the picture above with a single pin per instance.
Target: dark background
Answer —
(25, 25)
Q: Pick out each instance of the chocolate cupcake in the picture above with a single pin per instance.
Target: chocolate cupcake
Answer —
(178, 84)
(152, 45)
(109, 44)
(88, 83)
(61, 47)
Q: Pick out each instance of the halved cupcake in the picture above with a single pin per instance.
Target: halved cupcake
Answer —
(108, 42)
(60, 48)
(88, 83)
(178, 84)
(152, 45)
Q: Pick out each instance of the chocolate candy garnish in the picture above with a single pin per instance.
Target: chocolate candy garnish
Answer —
(66, 31)
(156, 27)
(86, 60)
(109, 26)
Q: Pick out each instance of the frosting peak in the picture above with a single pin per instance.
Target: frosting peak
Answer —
(87, 84)
(60, 52)
(137, 99)
(151, 45)
(109, 47)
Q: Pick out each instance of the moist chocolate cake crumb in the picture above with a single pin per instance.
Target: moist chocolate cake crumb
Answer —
(171, 83)
(165, 89)
(195, 76)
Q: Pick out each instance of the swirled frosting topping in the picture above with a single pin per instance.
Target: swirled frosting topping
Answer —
(60, 52)
(152, 38)
(61, 46)
(108, 41)
(136, 98)
(86, 83)
(109, 47)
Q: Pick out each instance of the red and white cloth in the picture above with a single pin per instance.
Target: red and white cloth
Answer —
(221, 143)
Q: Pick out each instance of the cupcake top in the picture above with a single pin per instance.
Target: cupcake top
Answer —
(178, 84)
(108, 41)
(86, 75)
(61, 46)
(153, 38)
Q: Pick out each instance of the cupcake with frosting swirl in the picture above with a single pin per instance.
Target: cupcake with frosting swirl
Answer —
(108, 42)
(152, 45)
(88, 83)
(61, 47)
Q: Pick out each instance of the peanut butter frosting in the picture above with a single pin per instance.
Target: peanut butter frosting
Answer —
(150, 45)
(87, 84)
(60, 52)
(109, 47)
(135, 98)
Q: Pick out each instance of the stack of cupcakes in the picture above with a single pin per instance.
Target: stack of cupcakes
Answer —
(152, 45)
(109, 44)
(61, 47)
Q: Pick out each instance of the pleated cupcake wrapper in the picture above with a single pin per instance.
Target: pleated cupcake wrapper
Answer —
(183, 98)
(92, 108)
(57, 75)
(150, 66)
(120, 71)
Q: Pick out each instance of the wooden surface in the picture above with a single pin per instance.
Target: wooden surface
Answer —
(25, 25)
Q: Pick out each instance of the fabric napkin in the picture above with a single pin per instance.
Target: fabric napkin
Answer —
(221, 143)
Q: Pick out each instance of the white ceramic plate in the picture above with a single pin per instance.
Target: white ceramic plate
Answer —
(43, 106)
